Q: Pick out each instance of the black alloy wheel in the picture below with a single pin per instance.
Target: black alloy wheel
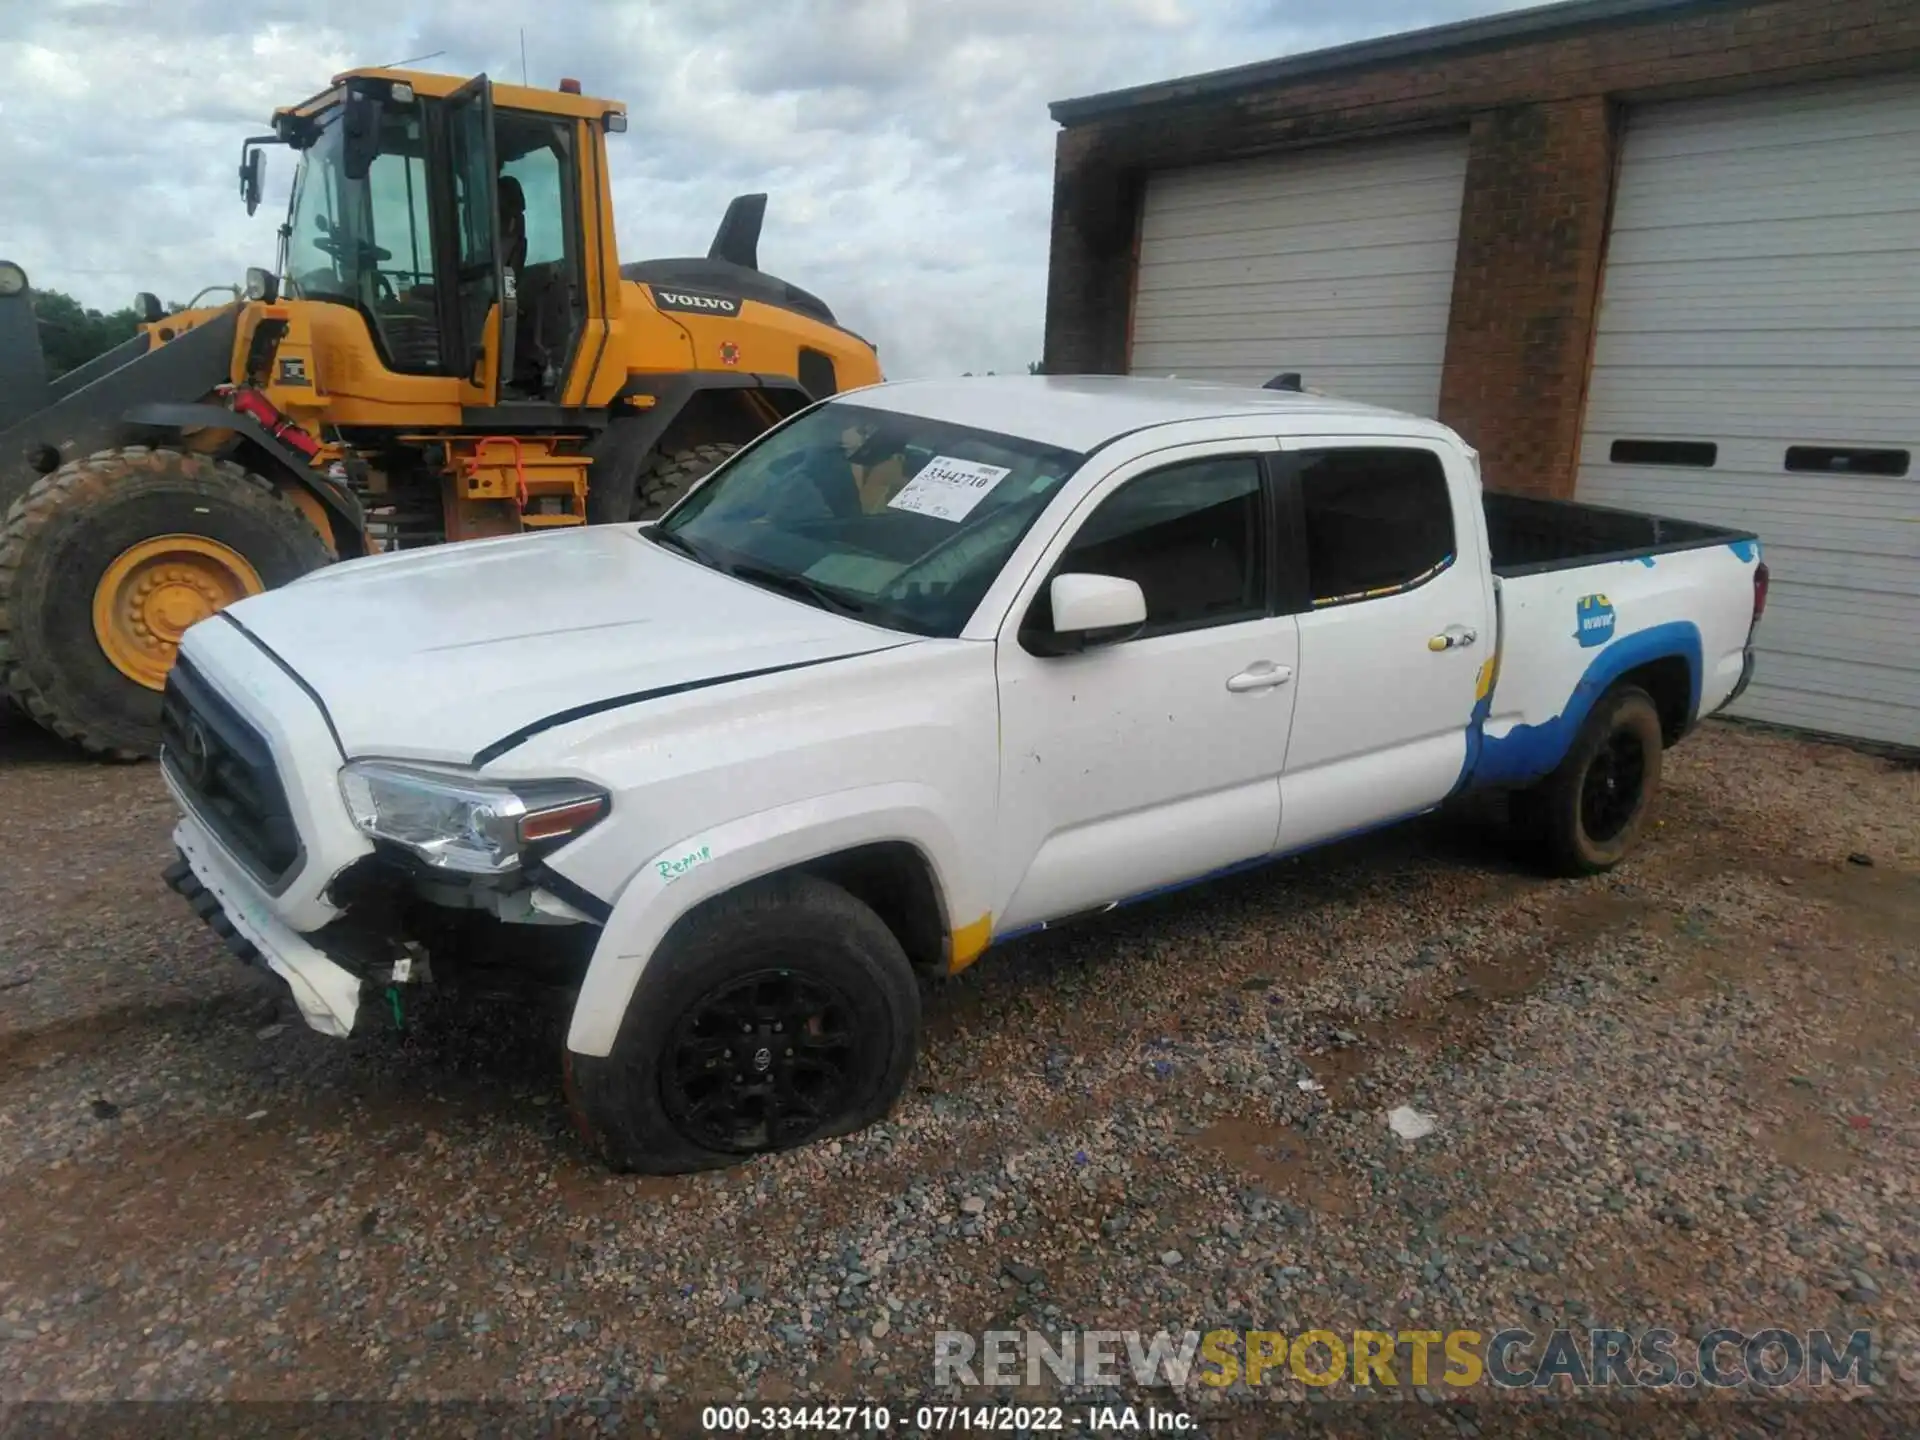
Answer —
(761, 1062)
(775, 1015)
(1610, 795)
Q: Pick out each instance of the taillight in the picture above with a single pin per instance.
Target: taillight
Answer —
(1760, 581)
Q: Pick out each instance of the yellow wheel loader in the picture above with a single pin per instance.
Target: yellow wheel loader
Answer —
(448, 349)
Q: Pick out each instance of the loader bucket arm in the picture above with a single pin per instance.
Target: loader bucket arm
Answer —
(90, 416)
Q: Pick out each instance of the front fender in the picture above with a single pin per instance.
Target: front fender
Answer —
(711, 862)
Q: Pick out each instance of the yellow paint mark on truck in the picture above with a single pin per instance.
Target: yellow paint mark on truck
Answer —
(1484, 687)
(968, 944)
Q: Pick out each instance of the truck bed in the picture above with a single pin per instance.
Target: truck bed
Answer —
(1529, 535)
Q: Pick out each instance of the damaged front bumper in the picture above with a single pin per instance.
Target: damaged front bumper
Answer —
(384, 934)
(327, 993)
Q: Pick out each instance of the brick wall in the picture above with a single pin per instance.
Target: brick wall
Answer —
(1525, 286)
(1542, 114)
(1090, 269)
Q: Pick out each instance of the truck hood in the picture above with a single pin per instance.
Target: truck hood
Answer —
(438, 654)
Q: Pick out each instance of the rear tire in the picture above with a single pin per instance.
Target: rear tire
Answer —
(131, 545)
(1584, 817)
(836, 1022)
(667, 476)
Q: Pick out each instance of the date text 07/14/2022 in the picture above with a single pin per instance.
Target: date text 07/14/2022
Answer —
(945, 1419)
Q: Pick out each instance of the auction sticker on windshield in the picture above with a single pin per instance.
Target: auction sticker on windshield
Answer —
(948, 489)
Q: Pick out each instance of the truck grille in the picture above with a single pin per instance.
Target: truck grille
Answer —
(223, 766)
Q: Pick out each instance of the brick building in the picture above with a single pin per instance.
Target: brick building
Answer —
(1655, 253)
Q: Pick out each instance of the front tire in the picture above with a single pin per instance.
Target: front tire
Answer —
(772, 1017)
(1584, 817)
(107, 561)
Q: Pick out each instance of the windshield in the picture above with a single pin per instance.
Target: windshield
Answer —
(368, 243)
(900, 520)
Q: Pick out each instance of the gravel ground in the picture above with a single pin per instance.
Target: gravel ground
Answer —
(1682, 1095)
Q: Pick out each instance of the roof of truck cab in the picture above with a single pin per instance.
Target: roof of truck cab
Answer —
(1084, 412)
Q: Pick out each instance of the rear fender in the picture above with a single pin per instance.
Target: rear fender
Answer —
(1527, 752)
(712, 862)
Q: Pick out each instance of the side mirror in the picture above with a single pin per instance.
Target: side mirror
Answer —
(1092, 610)
(253, 178)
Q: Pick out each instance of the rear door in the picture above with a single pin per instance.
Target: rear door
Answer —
(482, 291)
(1395, 603)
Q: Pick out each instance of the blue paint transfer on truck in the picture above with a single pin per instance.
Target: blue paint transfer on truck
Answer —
(1747, 550)
(1527, 752)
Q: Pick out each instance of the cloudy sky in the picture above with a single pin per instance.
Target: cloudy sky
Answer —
(905, 143)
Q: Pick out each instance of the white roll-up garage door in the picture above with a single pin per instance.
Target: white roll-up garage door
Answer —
(1335, 262)
(1758, 364)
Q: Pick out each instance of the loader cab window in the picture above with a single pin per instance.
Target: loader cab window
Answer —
(372, 242)
(536, 178)
(397, 188)
(368, 243)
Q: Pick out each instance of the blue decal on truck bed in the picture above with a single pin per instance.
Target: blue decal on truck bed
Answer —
(1747, 550)
(1593, 621)
(1527, 752)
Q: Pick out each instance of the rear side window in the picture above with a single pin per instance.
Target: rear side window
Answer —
(1378, 521)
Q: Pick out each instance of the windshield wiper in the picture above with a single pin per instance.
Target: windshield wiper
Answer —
(673, 540)
(824, 596)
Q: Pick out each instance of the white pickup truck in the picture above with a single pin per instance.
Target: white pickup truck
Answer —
(928, 666)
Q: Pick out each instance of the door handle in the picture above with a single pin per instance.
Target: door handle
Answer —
(1261, 675)
(1454, 637)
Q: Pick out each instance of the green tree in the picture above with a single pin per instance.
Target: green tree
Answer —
(1036, 367)
(71, 334)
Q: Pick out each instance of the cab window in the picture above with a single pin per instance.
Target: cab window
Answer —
(1378, 520)
(1192, 536)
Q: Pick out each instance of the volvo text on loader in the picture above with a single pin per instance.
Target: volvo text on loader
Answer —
(450, 350)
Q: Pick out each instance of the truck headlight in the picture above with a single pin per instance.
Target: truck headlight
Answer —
(458, 821)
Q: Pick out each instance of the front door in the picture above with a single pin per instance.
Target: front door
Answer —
(1396, 634)
(483, 299)
(1155, 760)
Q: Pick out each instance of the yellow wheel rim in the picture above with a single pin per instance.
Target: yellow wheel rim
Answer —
(155, 590)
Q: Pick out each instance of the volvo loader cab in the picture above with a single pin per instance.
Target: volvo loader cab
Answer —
(448, 348)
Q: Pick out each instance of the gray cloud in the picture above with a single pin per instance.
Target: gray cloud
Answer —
(905, 143)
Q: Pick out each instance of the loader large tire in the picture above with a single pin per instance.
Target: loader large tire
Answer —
(105, 562)
(668, 475)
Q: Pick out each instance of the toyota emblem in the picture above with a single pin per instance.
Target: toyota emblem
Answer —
(196, 759)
